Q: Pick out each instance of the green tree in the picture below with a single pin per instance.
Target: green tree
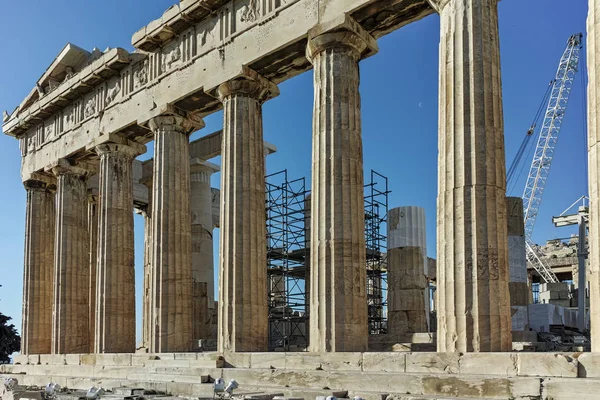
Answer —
(10, 341)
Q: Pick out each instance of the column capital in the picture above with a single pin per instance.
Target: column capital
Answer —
(65, 167)
(126, 150)
(113, 142)
(347, 34)
(167, 117)
(40, 182)
(249, 83)
(175, 123)
(200, 170)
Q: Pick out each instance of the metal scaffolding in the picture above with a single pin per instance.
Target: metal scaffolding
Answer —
(376, 214)
(288, 248)
(286, 260)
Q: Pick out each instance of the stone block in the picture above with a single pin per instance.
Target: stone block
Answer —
(503, 364)
(269, 360)
(570, 389)
(547, 365)
(384, 362)
(21, 359)
(72, 359)
(88, 359)
(432, 363)
(402, 347)
(114, 359)
(33, 359)
(481, 387)
(589, 365)
(237, 360)
(185, 356)
(324, 361)
(53, 359)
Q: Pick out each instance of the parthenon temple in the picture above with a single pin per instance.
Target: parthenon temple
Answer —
(92, 113)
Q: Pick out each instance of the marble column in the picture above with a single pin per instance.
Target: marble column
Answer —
(203, 269)
(408, 294)
(115, 296)
(593, 66)
(147, 290)
(243, 312)
(517, 266)
(70, 325)
(338, 300)
(171, 288)
(38, 279)
(92, 222)
(473, 299)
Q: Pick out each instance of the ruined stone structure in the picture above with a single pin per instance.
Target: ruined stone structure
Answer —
(408, 294)
(92, 113)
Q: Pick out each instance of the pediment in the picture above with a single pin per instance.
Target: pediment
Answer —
(69, 61)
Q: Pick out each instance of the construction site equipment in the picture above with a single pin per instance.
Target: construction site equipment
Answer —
(558, 98)
(581, 219)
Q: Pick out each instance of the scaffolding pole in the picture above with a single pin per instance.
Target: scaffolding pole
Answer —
(376, 214)
(286, 261)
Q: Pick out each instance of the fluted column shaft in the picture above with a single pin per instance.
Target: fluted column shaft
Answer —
(115, 296)
(593, 65)
(70, 326)
(203, 269)
(147, 290)
(243, 312)
(338, 301)
(93, 235)
(473, 300)
(38, 277)
(171, 309)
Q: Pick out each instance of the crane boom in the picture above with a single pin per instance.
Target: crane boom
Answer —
(544, 151)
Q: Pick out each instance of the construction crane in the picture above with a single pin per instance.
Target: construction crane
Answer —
(557, 97)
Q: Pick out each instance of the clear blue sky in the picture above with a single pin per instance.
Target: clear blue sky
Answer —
(399, 88)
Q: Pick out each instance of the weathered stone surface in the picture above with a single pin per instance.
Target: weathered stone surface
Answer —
(115, 293)
(548, 364)
(338, 305)
(92, 227)
(593, 66)
(38, 279)
(171, 309)
(70, 329)
(503, 364)
(589, 365)
(472, 293)
(384, 362)
(243, 311)
(434, 363)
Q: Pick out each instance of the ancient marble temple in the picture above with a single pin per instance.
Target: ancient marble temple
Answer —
(92, 113)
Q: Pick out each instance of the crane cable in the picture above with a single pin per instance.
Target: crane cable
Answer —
(510, 175)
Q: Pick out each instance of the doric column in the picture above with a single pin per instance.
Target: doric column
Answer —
(115, 296)
(70, 326)
(92, 222)
(147, 289)
(338, 301)
(38, 279)
(203, 269)
(171, 292)
(408, 294)
(593, 65)
(473, 300)
(517, 267)
(243, 313)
